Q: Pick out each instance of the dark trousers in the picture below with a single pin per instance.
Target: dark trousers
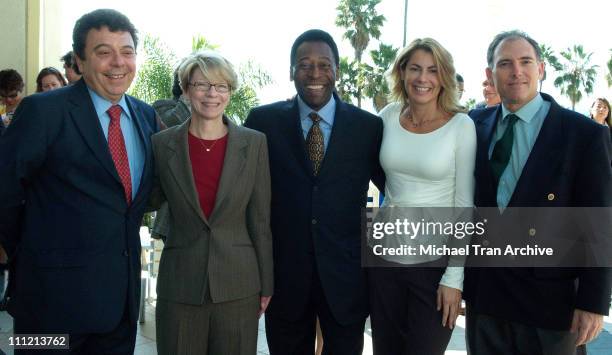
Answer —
(491, 335)
(119, 341)
(298, 337)
(403, 311)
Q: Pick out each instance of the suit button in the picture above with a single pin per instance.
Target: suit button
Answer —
(485, 243)
(314, 221)
(126, 253)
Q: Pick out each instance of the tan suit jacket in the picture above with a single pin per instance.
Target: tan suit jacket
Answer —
(229, 253)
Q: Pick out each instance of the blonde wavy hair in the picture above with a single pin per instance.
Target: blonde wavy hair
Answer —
(448, 99)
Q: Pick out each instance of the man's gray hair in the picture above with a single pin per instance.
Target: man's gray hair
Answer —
(514, 34)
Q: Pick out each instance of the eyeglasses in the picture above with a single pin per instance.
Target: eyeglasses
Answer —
(203, 86)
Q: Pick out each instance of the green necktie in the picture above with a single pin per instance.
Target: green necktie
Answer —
(315, 144)
(503, 150)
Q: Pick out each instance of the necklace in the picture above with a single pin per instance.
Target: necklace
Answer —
(419, 124)
(211, 146)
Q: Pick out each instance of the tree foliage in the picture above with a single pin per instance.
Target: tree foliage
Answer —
(348, 80)
(609, 74)
(252, 77)
(550, 59)
(576, 73)
(154, 78)
(376, 85)
(361, 22)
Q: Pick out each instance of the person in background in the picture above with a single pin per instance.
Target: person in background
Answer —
(216, 274)
(70, 69)
(76, 170)
(49, 79)
(11, 93)
(491, 97)
(460, 86)
(176, 110)
(172, 112)
(427, 153)
(600, 111)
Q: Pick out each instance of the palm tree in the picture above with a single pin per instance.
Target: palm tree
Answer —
(348, 82)
(155, 75)
(550, 59)
(576, 73)
(200, 42)
(362, 22)
(609, 75)
(376, 86)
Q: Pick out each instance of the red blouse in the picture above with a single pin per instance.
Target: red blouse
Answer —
(206, 167)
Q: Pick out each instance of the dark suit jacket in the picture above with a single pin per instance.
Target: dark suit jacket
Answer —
(229, 253)
(64, 220)
(571, 160)
(316, 220)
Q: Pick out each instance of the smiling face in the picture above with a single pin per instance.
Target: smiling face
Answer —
(516, 72)
(421, 80)
(314, 73)
(109, 65)
(206, 104)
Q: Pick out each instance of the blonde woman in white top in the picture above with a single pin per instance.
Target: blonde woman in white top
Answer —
(428, 153)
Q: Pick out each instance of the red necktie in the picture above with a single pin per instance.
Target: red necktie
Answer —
(116, 145)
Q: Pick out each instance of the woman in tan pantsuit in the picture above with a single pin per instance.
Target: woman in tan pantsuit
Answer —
(215, 276)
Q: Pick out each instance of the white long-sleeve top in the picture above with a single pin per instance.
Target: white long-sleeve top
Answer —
(434, 169)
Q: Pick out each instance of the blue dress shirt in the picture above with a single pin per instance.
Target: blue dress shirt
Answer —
(526, 130)
(133, 142)
(327, 114)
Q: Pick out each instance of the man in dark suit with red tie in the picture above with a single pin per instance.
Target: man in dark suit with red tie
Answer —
(534, 153)
(323, 153)
(75, 174)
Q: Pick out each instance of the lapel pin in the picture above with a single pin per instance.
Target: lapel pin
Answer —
(551, 197)
(532, 232)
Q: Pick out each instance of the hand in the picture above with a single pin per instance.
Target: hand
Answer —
(449, 301)
(263, 304)
(587, 324)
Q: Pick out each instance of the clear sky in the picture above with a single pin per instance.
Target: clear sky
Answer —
(264, 30)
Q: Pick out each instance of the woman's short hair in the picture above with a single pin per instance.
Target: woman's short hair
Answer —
(608, 119)
(212, 65)
(448, 98)
(49, 71)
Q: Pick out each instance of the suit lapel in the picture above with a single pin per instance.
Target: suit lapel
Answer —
(138, 118)
(86, 120)
(235, 157)
(543, 157)
(340, 134)
(180, 167)
(485, 128)
(292, 132)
